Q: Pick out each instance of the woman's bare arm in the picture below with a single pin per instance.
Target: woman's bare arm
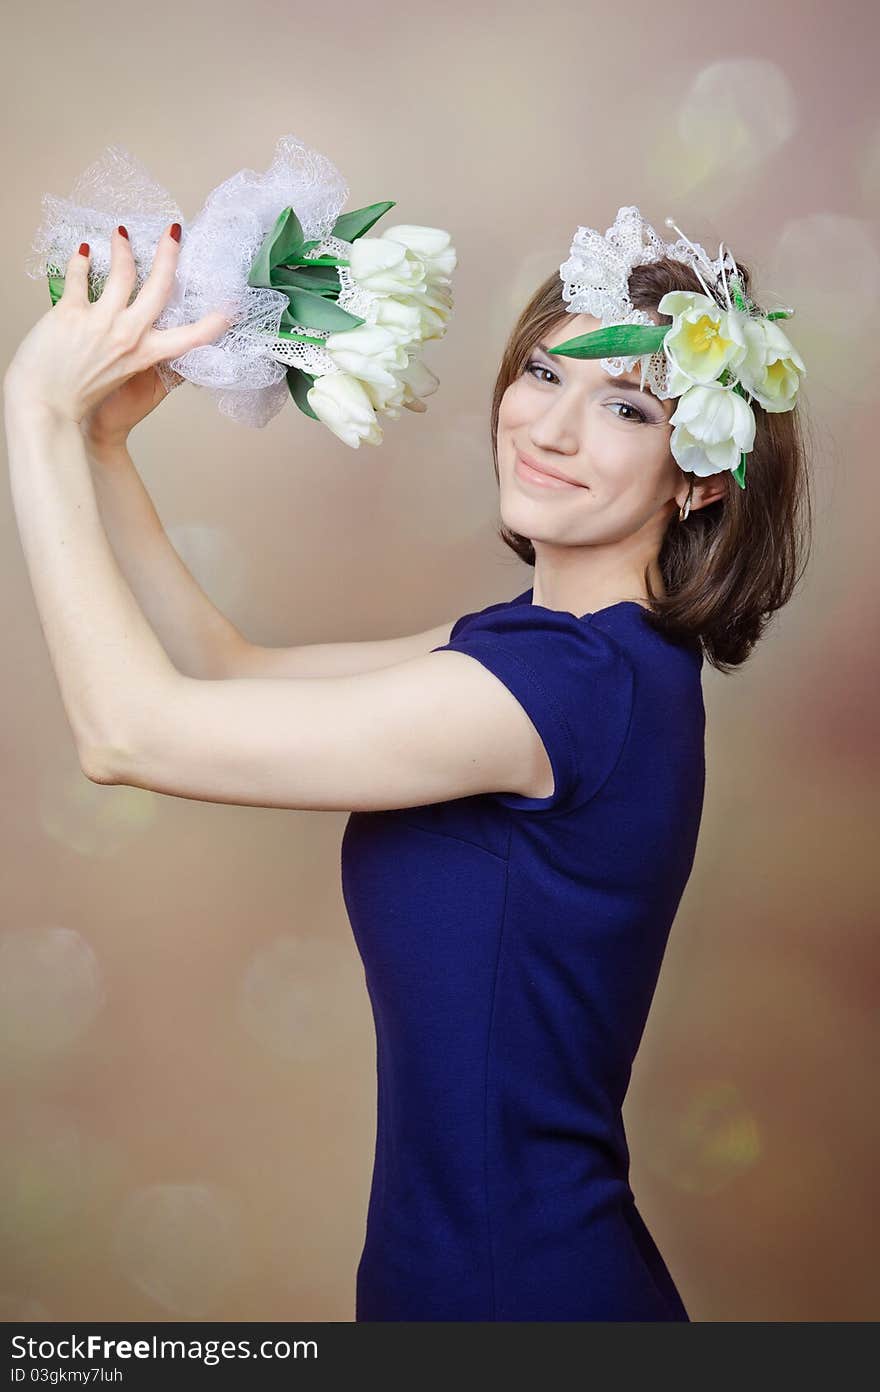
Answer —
(199, 639)
(335, 659)
(428, 730)
(107, 658)
(436, 727)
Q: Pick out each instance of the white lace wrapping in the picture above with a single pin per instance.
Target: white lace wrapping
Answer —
(246, 368)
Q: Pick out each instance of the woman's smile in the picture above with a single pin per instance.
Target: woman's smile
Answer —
(537, 479)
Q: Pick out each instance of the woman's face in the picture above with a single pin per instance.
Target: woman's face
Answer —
(600, 431)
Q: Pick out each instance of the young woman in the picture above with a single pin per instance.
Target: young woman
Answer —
(525, 785)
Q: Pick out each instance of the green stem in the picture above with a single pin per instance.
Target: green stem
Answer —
(316, 261)
(296, 338)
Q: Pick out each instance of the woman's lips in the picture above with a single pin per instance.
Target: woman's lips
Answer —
(528, 475)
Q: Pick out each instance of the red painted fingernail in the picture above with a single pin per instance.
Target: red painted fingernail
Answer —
(122, 230)
(83, 248)
(175, 231)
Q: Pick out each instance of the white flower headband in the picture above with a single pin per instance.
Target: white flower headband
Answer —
(719, 353)
(320, 312)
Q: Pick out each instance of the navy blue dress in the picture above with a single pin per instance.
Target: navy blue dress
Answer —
(511, 947)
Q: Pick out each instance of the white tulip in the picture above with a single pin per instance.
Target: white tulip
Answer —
(342, 404)
(385, 267)
(369, 352)
(432, 244)
(434, 306)
(400, 316)
(385, 397)
(713, 425)
(419, 378)
(702, 340)
(772, 368)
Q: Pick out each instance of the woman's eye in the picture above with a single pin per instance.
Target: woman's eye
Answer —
(637, 414)
(541, 368)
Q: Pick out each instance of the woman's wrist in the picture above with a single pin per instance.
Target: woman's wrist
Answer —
(102, 448)
(21, 406)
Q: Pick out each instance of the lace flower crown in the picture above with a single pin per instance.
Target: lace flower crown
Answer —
(719, 353)
(321, 313)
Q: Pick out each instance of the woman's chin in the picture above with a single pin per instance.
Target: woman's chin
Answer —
(528, 521)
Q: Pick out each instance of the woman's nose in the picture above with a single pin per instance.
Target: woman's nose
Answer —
(558, 426)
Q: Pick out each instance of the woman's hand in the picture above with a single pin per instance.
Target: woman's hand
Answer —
(80, 352)
(114, 418)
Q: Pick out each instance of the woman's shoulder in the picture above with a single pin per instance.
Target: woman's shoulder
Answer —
(632, 625)
(626, 625)
(541, 636)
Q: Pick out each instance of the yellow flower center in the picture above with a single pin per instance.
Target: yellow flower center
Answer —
(702, 333)
(703, 338)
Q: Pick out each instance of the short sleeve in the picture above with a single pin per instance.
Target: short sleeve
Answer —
(479, 614)
(575, 683)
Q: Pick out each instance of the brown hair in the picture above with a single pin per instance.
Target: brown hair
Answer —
(734, 562)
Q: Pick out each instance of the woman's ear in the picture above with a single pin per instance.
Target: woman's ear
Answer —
(708, 490)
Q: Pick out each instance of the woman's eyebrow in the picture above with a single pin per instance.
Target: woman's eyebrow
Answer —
(621, 385)
(609, 380)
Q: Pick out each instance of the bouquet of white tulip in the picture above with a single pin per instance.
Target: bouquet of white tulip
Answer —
(320, 312)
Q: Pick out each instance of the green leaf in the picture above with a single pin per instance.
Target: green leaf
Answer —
(290, 239)
(737, 293)
(299, 382)
(739, 473)
(283, 241)
(618, 340)
(350, 226)
(56, 288)
(322, 280)
(316, 312)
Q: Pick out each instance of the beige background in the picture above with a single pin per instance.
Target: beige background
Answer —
(186, 1049)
